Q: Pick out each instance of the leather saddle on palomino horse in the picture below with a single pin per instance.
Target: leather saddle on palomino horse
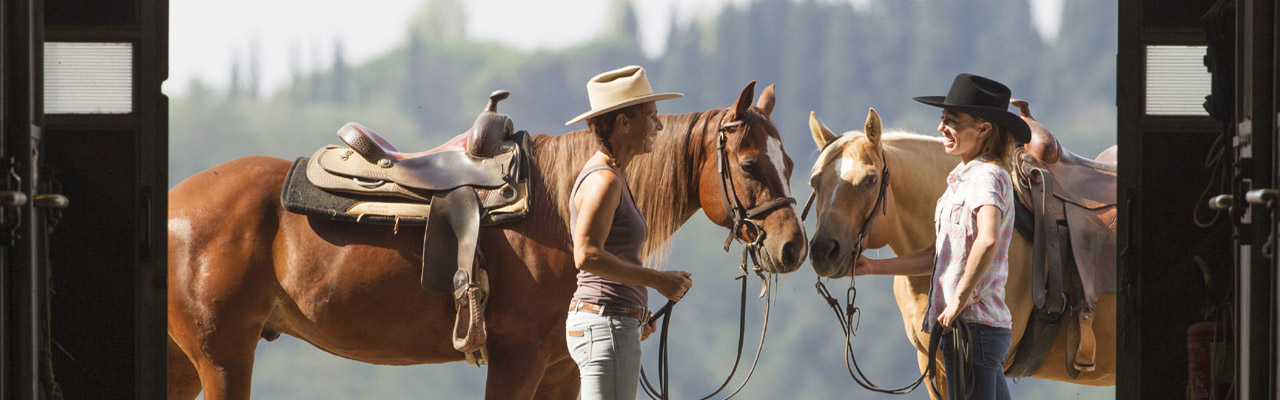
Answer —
(478, 178)
(1067, 210)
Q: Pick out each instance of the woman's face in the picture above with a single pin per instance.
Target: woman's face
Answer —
(962, 134)
(635, 135)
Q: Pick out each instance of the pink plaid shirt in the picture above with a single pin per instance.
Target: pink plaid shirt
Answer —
(970, 186)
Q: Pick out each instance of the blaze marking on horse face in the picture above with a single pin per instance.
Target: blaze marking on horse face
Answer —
(844, 166)
(774, 148)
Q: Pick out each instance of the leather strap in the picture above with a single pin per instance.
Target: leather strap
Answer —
(1042, 328)
(1049, 299)
(449, 245)
(1046, 253)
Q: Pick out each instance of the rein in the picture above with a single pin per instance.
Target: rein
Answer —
(960, 336)
(742, 217)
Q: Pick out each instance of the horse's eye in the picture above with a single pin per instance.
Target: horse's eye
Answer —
(871, 180)
(748, 167)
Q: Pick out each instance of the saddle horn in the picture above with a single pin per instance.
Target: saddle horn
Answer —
(491, 128)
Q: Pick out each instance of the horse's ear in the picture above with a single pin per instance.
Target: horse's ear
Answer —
(766, 101)
(821, 135)
(872, 127)
(744, 101)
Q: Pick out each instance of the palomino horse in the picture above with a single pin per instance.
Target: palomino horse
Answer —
(846, 182)
(241, 268)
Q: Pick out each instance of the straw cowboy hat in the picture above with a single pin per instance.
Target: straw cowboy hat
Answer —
(622, 87)
(984, 98)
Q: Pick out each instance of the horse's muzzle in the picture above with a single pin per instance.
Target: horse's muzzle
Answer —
(784, 258)
(829, 258)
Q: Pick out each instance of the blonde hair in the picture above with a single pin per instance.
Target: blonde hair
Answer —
(999, 143)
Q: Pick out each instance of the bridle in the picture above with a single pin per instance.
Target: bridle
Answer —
(846, 318)
(740, 214)
(866, 224)
(741, 217)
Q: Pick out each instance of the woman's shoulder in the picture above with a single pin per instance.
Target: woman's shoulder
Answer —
(992, 168)
(990, 173)
(601, 175)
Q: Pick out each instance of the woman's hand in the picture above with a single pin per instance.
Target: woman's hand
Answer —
(647, 328)
(862, 266)
(955, 306)
(674, 284)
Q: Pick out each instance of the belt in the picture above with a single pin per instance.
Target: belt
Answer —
(608, 310)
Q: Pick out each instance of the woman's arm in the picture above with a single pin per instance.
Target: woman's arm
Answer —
(597, 200)
(919, 262)
(981, 252)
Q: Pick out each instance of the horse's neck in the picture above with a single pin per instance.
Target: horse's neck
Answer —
(664, 181)
(918, 172)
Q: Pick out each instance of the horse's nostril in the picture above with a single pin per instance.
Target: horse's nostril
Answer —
(835, 250)
(789, 250)
(824, 249)
(819, 249)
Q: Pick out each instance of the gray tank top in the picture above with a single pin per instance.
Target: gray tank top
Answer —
(626, 239)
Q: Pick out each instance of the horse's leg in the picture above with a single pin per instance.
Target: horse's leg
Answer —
(560, 381)
(222, 342)
(219, 298)
(922, 359)
(515, 368)
(184, 382)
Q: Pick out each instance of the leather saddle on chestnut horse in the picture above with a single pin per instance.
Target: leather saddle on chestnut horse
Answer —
(1067, 210)
(478, 178)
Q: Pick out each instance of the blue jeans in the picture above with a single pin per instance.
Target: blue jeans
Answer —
(607, 350)
(989, 345)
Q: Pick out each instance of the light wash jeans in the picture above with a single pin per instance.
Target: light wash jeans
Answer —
(607, 350)
(988, 345)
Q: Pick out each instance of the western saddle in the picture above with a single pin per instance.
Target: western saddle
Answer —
(1067, 209)
(478, 178)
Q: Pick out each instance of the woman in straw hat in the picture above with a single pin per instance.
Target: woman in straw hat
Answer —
(974, 224)
(603, 329)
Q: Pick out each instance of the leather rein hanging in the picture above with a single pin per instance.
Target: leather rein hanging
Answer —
(741, 217)
(846, 319)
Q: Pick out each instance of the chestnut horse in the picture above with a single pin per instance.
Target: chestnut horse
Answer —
(241, 268)
(845, 178)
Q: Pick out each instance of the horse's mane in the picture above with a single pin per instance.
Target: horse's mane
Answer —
(664, 181)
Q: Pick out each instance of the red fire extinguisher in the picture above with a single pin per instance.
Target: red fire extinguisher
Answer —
(1208, 375)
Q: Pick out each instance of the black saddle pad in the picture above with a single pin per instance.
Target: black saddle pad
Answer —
(300, 196)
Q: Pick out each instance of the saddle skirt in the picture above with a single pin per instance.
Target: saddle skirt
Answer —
(1072, 201)
(1084, 197)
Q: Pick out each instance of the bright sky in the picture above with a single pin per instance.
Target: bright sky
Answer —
(206, 37)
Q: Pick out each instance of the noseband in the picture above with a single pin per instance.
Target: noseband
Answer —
(741, 217)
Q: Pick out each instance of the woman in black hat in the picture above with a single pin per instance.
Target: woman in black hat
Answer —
(974, 224)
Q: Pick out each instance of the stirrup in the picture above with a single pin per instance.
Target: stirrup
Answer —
(469, 337)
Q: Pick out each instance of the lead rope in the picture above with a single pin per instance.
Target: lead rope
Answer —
(742, 217)
(848, 326)
(662, 392)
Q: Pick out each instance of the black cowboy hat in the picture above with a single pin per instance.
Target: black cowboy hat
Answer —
(984, 98)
